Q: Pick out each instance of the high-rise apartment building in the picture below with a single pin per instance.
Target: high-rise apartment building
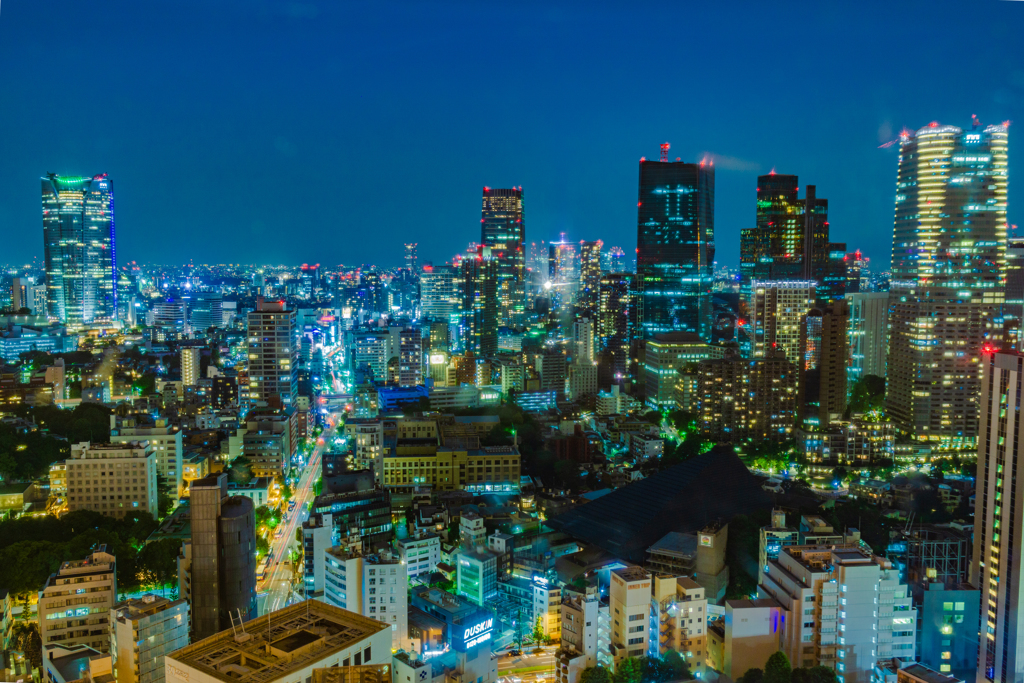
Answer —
(664, 356)
(371, 584)
(675, 247)
(615, 331)
(113, 479)
(410, 357)
(142, 632)
(273, 354)
(995, 568)
(741, 399)
(480, 303)
(824, 370)
(79, 248)
(842, 607)
(217, 571)
(868, 334)
(1013, 307)
(74, 605)
(503, 231)
(777, 312)
(589, 298)
(948, 277)
(563, 275)
(190, 366)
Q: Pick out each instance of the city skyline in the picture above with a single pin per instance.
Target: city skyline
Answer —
(250, 141)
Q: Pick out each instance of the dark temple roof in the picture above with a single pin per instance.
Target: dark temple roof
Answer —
(686, 497)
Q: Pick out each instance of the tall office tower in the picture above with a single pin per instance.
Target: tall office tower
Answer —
(480, 304)
(675, 247)
(777, 311)
(948, 277)
(132, 467)
(503, 231)
(309, 280)
(868, 333)
(71, 621)
(832, 282)
(412, 261)
(590, 278)
(615, 330)
(142, 632)
(79, 248)
(999, 522)
(373, 291)
(205, 310)
(217, 572)
(858, 272)
(583, 340)
(1013, 308)
(190, 366)
(410, 357)
(789, 240)
(563, 273)
(439, 297)
(273, 354)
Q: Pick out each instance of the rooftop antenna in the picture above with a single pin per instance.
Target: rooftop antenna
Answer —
(975, 122)
(239, 633)
(664, 151)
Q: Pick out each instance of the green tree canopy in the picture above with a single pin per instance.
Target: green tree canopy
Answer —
(595, 674)
(777, 669)
(629, 670)
(754, 675)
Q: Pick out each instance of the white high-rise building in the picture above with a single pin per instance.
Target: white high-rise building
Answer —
(777, 310)
(164, 440)
(996, 566)
(843, 608)
(629, 605)
(583, 340)
(370, 584)
(190, 366)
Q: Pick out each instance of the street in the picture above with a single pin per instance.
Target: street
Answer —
(528, 667)
(277, 588)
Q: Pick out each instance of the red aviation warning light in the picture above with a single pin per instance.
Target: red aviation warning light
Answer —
(664, 151)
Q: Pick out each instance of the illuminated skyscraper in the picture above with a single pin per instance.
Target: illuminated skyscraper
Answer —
(615, 331)
(675, 247)
(563, 274)
(777, 313)
(948, 277)
(273, 354)
(790, 240)
(590, 277)
(79, 248)
(480, 277)
(998, 520)
(412, 258)
(503, 231)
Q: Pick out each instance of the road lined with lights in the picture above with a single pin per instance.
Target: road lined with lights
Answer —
(279, 578)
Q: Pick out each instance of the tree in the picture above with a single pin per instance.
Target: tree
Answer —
(653, 417)
(629, 670)
(677, 666)
(777, 669)
(538, 630)
(27, 641)
(158, 562)
(240, 470)
(868, 394)
(752, 676)
(595, 674)
(286, 491)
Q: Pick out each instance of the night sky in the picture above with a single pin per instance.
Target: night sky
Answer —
(332, 132)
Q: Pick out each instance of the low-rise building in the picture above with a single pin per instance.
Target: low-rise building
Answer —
(421, 553)
(283, 647)
(74, 604)
(374, 585)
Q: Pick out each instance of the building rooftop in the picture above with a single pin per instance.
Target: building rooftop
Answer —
(676, 544)
(279, 644)
(139, 608)
(632, 573)
(751, 604)
(926, 674)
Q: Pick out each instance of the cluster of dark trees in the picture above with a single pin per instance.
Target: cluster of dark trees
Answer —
(671, 667)
(32, 548)
(27, 456)
(778, 670)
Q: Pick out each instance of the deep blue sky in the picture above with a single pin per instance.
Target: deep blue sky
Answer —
(330, 131)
